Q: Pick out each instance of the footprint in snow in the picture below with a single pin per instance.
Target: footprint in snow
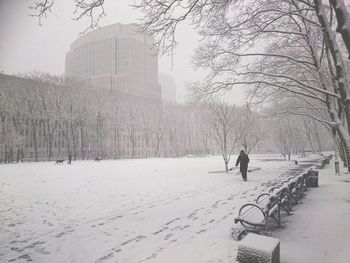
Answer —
(171, 221)
(201, 231)
(168, 236)
(106, 257)
(160, 231)
(25, 257)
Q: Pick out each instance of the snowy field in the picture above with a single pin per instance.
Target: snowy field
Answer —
(144, 210)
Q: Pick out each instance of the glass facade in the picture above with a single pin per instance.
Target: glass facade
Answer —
(116, 58)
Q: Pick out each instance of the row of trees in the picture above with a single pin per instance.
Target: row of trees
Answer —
(291, 53)
(283, 50)
(242, 128)
(46, 117)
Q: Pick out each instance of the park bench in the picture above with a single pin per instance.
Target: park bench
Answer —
(283, 193)
(326, 160)
(254, 217)
(296, 188)
(257, 248)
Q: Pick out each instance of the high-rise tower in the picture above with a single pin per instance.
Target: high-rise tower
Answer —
(116, 58)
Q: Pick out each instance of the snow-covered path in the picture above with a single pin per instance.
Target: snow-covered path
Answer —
(319, 229)
(146, 210)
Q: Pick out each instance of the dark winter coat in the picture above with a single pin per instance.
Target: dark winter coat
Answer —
(243, 160)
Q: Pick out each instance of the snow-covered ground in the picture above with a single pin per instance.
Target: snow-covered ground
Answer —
(319, 229)
(144, 210)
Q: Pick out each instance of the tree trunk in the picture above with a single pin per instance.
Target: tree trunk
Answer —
(35, 141)
(50, 149)
(343, 19)
(318, 140)
(342, 131)
(338, 62)
(342, 153)
(158, 147)
(18, 154)
(226, 166)
(11, 155)
(6, 155)
(22, 154)
(82, 155)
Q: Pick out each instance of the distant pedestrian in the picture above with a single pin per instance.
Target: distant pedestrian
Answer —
(69, 159)
(243, 161)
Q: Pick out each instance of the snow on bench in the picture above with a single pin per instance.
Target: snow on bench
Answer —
(268, 205)
(253, 217)
(326, 160)
(258, 249)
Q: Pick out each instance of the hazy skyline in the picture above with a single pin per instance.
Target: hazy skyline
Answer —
(26, 46)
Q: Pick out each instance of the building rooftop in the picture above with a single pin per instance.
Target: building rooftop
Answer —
(118, 29)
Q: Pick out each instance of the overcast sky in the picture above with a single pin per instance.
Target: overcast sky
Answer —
(26, 47)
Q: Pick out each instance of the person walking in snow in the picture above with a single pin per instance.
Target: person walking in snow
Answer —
(243, 161)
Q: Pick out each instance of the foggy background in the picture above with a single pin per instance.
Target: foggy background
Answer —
(25, 46)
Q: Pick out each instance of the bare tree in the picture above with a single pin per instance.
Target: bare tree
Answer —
(31, 98)
(311, 123)
(249, 129)
(300, 52)
(343, 19)
(91, 9)
(159, 133)
(283, 135)
(223, 121)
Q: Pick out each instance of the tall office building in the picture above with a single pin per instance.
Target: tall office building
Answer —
(168, 87)
(121, 65)
(116, 58)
